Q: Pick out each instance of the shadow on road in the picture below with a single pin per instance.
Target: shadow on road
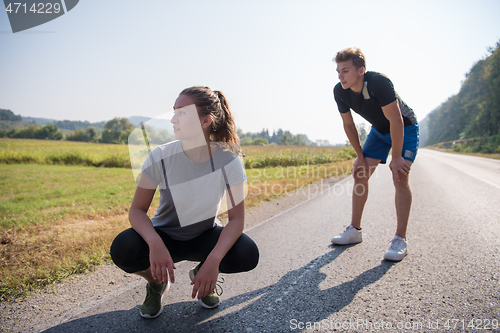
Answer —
(297, 295)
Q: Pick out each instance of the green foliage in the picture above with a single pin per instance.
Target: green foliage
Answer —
(154, 136)
(117, 130)
(278, 137)
(87, 135)
(260, 142)
(44, 193)
(484, 145)
(9, 115)
(50, 132)
(475, 111)
(64, 153)
(74, 125)
(296, 156)
(362, 132)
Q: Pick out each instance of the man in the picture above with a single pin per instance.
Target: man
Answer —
(394, 124)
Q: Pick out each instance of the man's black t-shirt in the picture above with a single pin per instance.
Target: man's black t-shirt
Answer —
(378, 91)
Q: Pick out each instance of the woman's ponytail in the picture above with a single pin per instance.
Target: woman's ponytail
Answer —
(214, 103)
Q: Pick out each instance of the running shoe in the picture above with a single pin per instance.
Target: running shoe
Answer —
(351, 235)
(397, 250)
(212, 299)
(152, 308)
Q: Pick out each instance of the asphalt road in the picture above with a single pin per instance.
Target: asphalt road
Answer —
(448, 282)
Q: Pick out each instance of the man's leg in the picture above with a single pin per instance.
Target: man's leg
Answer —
(360, 190)
(403, 202)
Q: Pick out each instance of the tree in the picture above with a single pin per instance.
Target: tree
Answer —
(117, 130)
(260, 141)
(475, 111)
(287, 139)
(87, 135)
(361, 132)
(300, 140)
(50, 132)
(9, 115)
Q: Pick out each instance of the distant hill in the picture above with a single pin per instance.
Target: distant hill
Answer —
(9, 115)
(73, 125)
(8, 121)
(474, 112)
(158, 123)
(38, 121)
(7, 125)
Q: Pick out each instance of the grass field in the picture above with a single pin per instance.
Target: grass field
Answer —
(285, 156)
(24, 151)
(56, 220)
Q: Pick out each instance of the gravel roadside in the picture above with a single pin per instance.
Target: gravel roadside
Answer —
(23, 314)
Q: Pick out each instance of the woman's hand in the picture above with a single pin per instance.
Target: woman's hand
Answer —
(206, 278)
(162, 265)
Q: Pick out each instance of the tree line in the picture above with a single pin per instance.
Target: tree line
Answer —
(474, 112)
(116, 130)
(279, 137)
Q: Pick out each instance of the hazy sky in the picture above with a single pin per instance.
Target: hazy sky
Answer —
(272, 59)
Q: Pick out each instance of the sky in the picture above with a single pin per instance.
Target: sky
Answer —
(272, 59)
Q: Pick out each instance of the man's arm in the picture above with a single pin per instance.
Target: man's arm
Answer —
(352, 132)
(353, 136)
(393, 114)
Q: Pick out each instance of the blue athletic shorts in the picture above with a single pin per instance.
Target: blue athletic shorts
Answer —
(378, 144)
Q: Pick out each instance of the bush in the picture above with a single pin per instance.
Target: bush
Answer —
(50, 132)
(81, 135)
(260, 142)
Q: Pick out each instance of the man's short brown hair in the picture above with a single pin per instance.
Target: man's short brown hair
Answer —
(352, 53)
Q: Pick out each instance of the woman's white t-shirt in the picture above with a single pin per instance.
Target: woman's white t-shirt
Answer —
(190, 192)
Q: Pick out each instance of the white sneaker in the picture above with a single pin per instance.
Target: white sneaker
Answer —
(351, 235)
(397, 250)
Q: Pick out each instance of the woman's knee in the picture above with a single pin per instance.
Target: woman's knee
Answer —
(125, 247)
(247, 253)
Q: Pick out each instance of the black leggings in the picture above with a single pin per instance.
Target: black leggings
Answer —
(130, 252)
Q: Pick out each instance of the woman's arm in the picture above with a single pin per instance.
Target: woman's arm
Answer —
(159, 256)
(206, 278)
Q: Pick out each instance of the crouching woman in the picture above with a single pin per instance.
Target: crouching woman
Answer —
(192, 174)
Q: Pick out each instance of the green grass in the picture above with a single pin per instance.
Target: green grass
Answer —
(27, 151)
(285, 156)
(485, 147)
(37, 194)
(57, 220)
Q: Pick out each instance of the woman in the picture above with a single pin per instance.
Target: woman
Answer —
(192, 174)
